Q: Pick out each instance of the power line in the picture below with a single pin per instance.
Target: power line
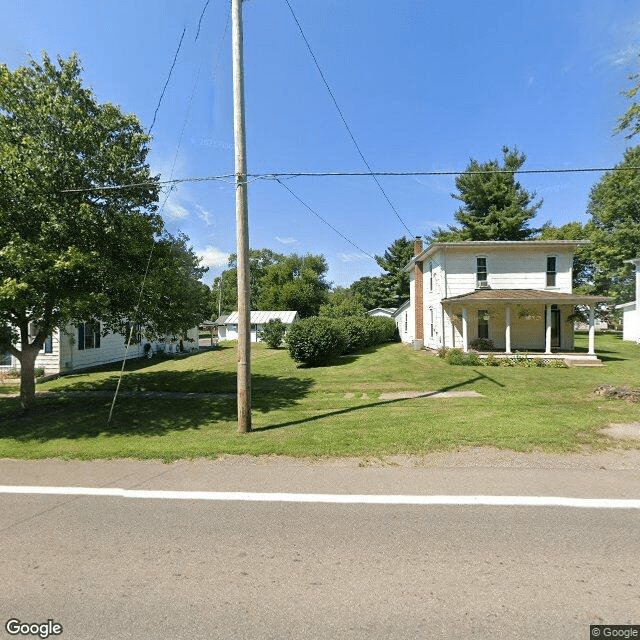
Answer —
(175, 57)
(335, 102)
(288, 175)
(200, 20)
(315, 213)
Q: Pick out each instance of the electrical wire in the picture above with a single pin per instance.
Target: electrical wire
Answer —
(315, 213)
(288, 175)
(200, 19)
(344, 121)
(175, 57)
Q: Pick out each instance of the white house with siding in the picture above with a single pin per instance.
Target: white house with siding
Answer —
(82, 346)
(404, 320)
(258, 320)
(631, 310)
(517, 294)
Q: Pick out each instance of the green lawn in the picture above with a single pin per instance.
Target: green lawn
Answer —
(329, 411)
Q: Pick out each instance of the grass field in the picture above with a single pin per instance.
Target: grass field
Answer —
(328, 411)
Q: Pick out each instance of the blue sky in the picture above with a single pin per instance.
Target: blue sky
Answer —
(423, 85)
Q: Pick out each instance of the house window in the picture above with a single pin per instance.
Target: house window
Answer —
(136, 334)
(5, 341)
(48, 344)
(481, 273)
(431, 321)
(483, 323)
(552, 270)
(431, 276)
(89, 335)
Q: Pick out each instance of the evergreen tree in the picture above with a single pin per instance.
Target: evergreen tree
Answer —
(495, 205)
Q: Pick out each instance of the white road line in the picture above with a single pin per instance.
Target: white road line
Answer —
(245, 496)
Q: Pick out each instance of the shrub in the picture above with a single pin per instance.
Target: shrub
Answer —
(38, 372)
(315, 341)
(459, 358)
(491, 361)
(482, 344)
(443, 352)
(557, 364)
(356, 334)
(273, 332)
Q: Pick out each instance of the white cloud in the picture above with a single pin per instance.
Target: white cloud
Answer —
(175, 211)
(285, 240)
(203, 214)
(213, 257)
(352, 257)
(623, 57)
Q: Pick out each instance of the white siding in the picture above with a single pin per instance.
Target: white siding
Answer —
(631, 323)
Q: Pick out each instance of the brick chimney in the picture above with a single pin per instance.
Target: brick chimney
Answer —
(419, 305)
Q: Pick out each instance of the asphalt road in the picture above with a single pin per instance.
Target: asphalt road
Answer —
(109, 567)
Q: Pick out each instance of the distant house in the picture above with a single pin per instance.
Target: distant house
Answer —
(404, 321)
(514, 295)
(258, 320)
(82, 346)
(384, 312)
(631, 310)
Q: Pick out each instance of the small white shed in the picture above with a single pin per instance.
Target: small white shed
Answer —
(258, 320)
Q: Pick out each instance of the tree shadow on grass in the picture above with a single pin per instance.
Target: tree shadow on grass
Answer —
(82, 410)
(381, 403)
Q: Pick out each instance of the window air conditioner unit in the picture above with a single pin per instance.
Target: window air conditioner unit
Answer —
(483, 284)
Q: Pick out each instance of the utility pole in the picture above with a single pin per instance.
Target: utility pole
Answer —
(242, 225)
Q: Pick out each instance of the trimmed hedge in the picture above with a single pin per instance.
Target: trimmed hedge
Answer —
(315, 341)
(319, 340)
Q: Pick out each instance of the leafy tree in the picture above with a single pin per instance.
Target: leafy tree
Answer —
(273, 333)
(69, 250)
(614, 228)
(343, 304)
(259, 261)
(296, 283)
(495, 206)
(371, 290)
(630, 121)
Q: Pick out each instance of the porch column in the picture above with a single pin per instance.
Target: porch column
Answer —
(547, 340)
(592, 330)
(465, 330)
(507, 329)
(453, 328)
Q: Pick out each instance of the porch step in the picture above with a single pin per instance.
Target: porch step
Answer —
(584, 363)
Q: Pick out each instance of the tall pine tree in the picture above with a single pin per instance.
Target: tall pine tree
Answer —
(495, 205)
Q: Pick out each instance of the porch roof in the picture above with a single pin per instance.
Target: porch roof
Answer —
(524, 295)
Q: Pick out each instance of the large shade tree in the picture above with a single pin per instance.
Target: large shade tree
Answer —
(614, 228)
(495, 206)
(71, 250)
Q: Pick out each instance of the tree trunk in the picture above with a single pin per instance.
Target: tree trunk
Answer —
(27, 377)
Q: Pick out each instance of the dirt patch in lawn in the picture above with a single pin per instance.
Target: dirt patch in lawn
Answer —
(401, 395)
(630, 431)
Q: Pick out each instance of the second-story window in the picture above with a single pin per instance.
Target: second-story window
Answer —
(552, 271)
(481, 272)
(89, 335)
(431, 276)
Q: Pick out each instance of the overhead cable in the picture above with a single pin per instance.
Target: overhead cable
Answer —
(344, 121)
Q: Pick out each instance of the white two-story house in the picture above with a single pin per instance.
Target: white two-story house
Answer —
(505, 295)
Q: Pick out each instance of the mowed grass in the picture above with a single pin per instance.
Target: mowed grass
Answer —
(325, 411)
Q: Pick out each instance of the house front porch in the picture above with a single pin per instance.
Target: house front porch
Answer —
(536, 323)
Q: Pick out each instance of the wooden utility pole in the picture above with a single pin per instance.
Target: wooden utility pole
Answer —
(242, 226)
